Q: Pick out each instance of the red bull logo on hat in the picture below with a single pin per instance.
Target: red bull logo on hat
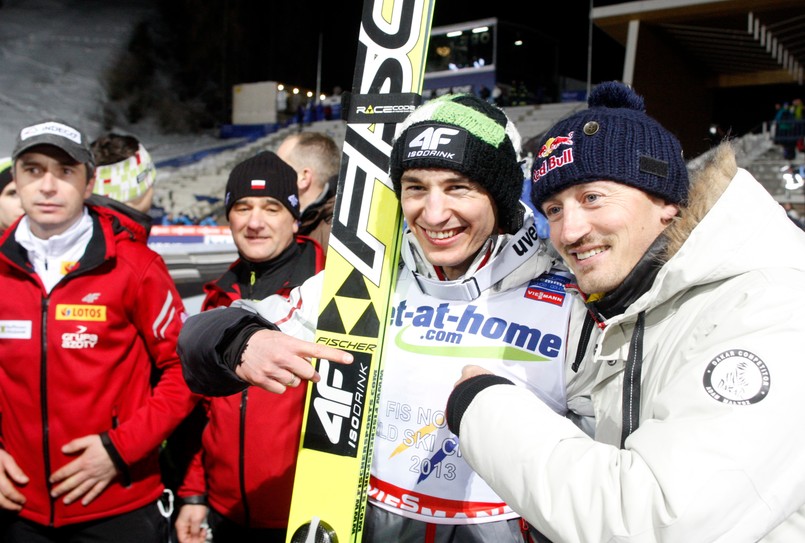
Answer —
(553, 161)
(553, 143)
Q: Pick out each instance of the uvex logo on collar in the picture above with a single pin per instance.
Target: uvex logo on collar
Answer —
(435, 141)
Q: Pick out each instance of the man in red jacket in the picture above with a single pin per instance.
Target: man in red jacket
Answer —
(90, 320)
(245, 467)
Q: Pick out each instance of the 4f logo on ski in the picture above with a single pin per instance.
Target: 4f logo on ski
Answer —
(435, 141)
(339, 411)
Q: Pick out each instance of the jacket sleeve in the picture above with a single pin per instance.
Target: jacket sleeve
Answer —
(204, 342)
(194, 484)
(698, 468)
(210, 341)
(157, 313)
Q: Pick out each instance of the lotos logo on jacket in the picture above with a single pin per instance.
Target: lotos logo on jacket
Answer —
(80, 312)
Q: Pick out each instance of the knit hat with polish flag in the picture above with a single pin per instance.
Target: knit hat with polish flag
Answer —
(264, 175)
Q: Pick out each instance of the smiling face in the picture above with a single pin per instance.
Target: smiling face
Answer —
(603, 228)
(261, 227)
(450, 216)
(52, 189)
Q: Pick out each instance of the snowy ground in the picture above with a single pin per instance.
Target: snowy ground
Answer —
(53, 54)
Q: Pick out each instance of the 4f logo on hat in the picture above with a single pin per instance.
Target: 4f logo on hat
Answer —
(435, 141)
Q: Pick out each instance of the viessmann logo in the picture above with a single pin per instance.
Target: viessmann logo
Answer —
(80, 312)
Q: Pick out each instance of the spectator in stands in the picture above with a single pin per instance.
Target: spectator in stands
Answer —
(316, 158)
(125, 175)
(799, 124)
(784, 130)
(183, 220)
(332, 104)
(796, 106)
(244, 468)
(10, 206)
(168, 219)
(498, 96)
(95, 319)
(695, 293)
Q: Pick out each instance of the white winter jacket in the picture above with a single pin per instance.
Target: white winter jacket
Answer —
(718, 453)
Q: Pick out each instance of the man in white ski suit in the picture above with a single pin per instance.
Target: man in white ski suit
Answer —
(477, 284)
(694, 372)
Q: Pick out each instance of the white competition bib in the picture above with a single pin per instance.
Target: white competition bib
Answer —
(417, 469)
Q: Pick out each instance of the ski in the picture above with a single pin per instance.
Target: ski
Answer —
(335, 453)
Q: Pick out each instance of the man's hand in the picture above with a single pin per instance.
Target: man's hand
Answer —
(274, 361)
(468, 372)
(189, 527)
(10, 498)
(86, 476)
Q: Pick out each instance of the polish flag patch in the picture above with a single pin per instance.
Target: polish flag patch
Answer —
(258, 184)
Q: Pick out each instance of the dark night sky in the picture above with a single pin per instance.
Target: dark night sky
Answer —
(182, 62)
(220, 43)
(339, 30)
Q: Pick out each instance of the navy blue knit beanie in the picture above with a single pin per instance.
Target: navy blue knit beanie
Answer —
(612, 140)
(464, 133)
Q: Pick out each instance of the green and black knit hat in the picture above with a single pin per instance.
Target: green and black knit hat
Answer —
(463, 133)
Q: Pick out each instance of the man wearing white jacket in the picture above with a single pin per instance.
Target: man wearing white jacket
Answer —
(694, 366)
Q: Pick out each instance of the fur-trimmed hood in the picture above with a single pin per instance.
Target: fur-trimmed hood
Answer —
(708, 181)
(730, 225)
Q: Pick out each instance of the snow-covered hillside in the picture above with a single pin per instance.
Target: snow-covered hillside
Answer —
(53, 54)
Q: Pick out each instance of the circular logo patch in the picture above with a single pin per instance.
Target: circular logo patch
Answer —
(737, 377)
